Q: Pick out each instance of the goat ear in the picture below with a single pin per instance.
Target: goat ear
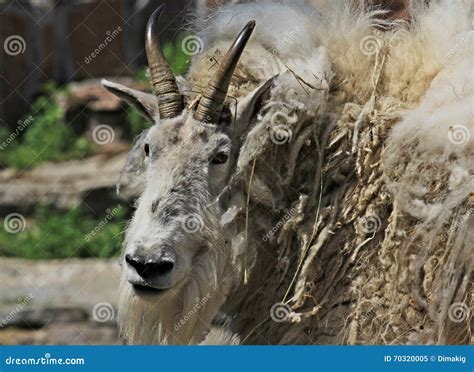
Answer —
(251, 104)
(145, 103)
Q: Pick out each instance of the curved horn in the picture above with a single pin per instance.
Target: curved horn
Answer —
(170, 102)
(210, 105)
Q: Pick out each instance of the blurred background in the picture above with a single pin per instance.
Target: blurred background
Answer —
(63, 140)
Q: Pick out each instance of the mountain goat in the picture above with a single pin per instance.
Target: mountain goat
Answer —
(313, 183)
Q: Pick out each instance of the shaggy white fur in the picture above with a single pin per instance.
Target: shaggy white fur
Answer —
(377, 126)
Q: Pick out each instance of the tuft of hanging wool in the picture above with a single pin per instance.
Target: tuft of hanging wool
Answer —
(353, 187)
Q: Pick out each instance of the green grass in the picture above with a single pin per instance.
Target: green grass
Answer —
(47, 137)
(63, 234)
(51, 233)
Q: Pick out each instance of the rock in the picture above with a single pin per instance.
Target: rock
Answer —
(42, 316)
(85, 333)
(91, 94)
(72, 283)
(64, 184)
(59, 301)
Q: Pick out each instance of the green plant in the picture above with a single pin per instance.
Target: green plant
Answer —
(63, 234)
(176, 56)
(179, 62)
(47, 136)
(135, 121)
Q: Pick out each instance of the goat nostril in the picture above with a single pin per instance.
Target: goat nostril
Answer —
(150, 269)
(160, 267)
(136, 264)
(130, 260)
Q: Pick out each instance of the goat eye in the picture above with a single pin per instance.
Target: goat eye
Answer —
(220, 158)
(147, 149)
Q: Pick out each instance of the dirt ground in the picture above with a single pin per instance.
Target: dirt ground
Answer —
(68, 302)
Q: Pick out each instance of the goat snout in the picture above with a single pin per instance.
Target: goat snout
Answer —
(148, 268)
